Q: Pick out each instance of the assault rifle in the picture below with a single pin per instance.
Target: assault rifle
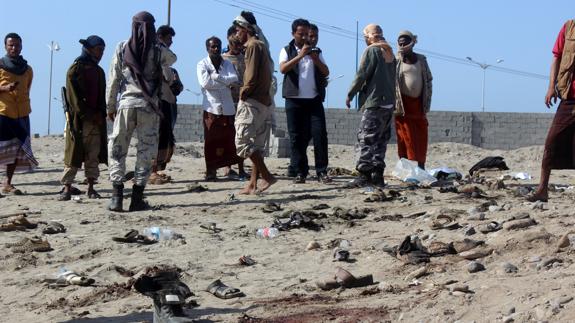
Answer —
(66, 107)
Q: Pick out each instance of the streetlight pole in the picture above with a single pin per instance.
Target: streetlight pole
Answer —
(484, 67)
(169, 11)
(53, 47)
(197, 94)
(327, 87)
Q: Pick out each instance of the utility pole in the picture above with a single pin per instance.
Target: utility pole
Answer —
(53, 47)
(484, 67)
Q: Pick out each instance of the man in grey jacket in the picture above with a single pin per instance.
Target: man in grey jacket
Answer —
(375, 83)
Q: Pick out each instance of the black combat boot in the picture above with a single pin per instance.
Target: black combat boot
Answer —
(377, 177)
(137, 203)
(362, 180)
(168, 294)
(117, 198)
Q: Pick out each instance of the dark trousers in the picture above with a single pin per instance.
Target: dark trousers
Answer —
(306, 120)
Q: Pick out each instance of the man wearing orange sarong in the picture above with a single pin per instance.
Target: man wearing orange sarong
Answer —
(413, 100)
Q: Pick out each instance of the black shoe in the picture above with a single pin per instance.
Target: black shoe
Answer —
(299, 179)
(137, 203)
(377, 178)
(360, 181)
(168, 294)
(324, 178)
(117, 198)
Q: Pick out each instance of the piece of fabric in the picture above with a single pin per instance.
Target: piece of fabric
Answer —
(146, 124)
(16, 104)
(426, 92)
(219, 144)
(15, 65)
(171, 86)
(217, 95)
(374, 80)
(86, 86)
(412, 131)
(91, 138)
(251, 127)
(15, 145)
(257, 76)
(300, 82)
(411, 83)
(123, 91)
(141, 43)
(373, 135)
(564, 50)
(167, 140)
(306, 121)
(559, 150)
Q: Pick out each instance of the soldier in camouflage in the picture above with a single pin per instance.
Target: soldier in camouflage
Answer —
(132, 96)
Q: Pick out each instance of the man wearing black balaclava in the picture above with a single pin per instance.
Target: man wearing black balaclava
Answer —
(86, 115)
(132, 97)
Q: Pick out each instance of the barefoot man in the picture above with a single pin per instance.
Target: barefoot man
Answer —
(254, 107)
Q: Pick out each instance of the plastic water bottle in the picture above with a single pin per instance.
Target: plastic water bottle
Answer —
(267, 233)
(157, 233)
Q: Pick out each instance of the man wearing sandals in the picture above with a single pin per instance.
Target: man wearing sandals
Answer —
(254, 107)
(86, 112)
(15, 83)
(132, 95)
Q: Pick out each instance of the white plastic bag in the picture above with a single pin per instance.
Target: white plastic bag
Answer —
(408, 171)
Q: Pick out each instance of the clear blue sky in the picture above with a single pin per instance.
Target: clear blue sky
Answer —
(520, 32)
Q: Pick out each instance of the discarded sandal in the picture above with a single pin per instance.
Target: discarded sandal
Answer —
(221, 290)
(195, 187)
(211, 227)
(443, 221)
(29, 245)
(340, 255)
(53, 227)
(21, 220)
(271, 207)
(133, 236)
(490, 227)
(344, 278)
(72, 278)
(247, 261)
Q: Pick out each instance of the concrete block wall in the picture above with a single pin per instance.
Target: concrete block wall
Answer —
(491, 130)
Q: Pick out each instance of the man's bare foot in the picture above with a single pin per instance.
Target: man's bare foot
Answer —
(248, 190)
(265, 184)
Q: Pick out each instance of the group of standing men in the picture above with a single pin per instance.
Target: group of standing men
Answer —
(238, 88)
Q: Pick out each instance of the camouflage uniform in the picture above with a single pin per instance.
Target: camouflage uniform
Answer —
(373, 135)
(134, 113)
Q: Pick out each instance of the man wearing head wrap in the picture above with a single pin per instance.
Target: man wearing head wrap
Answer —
(254, 108)
(248, 18)
(305, 72)
(132, 93)
(559, 150)
(15, 83)
(86, 130)
(375, 83)
(412, 100)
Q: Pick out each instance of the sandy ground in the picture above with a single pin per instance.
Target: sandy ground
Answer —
(281, 286)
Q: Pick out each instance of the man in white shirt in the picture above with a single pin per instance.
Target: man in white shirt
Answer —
(216, 76)
(305, 74)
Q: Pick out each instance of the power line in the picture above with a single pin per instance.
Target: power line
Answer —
(285, 16)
